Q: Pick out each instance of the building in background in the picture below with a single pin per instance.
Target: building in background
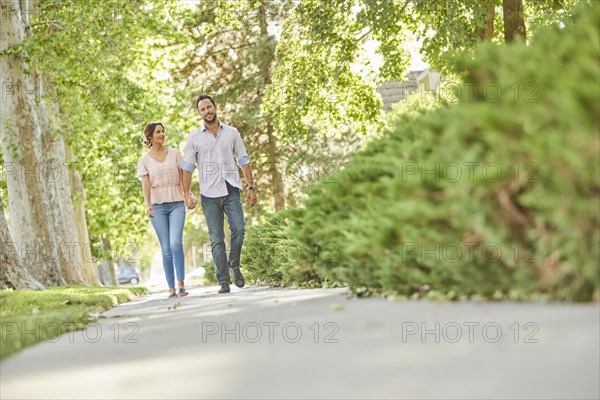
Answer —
(425, 80)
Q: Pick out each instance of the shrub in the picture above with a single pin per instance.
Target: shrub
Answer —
(495, 196)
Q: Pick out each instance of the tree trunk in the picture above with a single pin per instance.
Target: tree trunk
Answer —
(12, 274)
(20, 134)
(276, 178)
(108, 274)
(514, 20)
(55, 173)
(487, 31)
(85, 250)
(272, 155)
(103, 272)
(59, 190)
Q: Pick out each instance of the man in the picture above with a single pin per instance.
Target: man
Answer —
(216, 148)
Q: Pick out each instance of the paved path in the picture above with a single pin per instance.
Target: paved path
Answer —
(275, 343)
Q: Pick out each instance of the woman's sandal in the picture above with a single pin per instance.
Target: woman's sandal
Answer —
(183, 292)
(173, 295)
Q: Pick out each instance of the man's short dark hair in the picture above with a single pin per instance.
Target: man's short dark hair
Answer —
(205, 96)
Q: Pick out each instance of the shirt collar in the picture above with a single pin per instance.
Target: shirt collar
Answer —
(203, 127)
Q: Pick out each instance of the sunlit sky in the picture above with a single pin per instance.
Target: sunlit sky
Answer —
(416, 62)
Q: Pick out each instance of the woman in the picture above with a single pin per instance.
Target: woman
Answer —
(162, 186)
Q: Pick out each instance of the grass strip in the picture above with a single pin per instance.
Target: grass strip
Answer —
(29, 317)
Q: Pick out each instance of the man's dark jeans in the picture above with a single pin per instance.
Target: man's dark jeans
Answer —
(215, 209)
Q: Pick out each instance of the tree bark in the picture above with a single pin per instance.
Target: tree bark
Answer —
(487, 31)
(78, 196)
(59, 190)
(12, 274)
(272, 154)
(108, 274)
(276, 178)
(20, 134)
(58, 177)
(514, 20)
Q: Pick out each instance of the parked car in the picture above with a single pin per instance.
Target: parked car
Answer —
(129, 275)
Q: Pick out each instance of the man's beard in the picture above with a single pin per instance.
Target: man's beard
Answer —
(210, 121)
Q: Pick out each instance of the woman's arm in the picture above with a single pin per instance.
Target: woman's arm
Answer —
(146, 190)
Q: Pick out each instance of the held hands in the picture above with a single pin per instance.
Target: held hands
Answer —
(190, 201)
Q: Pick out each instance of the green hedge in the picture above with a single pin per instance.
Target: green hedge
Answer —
(496, 196)
(272, 257)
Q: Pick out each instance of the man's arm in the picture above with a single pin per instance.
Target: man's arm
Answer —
(241, 156)
(248, 177)
(187, 167)
(251, 197)
(186, 181)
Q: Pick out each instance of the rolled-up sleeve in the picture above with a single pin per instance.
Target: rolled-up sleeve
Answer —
(190, 155)
(239, 150)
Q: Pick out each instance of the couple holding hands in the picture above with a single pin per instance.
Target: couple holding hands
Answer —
(215, 148)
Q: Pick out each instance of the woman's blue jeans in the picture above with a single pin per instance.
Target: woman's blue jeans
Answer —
(215, 208)
(168, 222)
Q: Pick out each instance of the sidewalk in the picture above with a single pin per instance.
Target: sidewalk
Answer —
(260, 342)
